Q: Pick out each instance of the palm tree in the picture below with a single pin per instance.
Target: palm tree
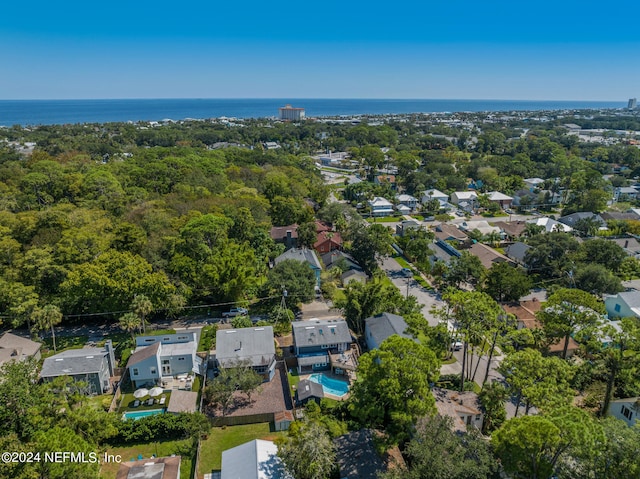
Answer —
(142, 306)
(130, 322)
(493, 238)
(47, 317)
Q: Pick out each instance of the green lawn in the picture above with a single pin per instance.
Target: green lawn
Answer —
(127, 400)
(385, 219)
(159, 449)
(223, 438)
(402, 262)
(294, 379)
(63, 343)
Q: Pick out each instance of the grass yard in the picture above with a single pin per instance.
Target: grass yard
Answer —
(294, 379)
(223, 438)
(385, 219)
(159, 449)
(127, 400)
(402, 262)
(63, 343)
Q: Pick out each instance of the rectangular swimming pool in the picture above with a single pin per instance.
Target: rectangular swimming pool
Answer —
(135, 415)
(330, 385)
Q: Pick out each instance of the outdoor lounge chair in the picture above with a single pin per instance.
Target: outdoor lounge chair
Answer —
(136, 403)
(163, 399)
(150, 402)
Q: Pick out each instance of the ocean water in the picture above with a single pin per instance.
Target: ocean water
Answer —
(50, 112)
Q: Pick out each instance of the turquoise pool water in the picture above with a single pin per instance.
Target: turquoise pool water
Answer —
(329, 385)
(135, 415)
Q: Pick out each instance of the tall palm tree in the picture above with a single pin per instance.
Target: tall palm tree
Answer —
(130, 322)
(142, 306)
(47, 317)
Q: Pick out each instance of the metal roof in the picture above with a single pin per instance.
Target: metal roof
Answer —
(257, 459)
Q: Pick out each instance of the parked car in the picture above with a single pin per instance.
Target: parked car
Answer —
(456, 346)
(406, 272)
(233, 312)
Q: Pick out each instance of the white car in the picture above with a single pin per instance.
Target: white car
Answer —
(233, 312)
(456, 346)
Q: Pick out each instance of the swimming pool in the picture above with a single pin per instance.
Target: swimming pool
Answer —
(135, 415)
(329, 385)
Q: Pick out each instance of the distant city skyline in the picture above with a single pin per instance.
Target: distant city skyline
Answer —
(566, 50)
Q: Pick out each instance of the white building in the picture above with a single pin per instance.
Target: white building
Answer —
(627, 410)
(290, 113)
(380, 207)
(551, 225)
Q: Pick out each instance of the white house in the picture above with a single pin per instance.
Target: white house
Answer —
(627, 410)
(434, 194)
(551, 225)
(407, 200)
(533, 183)
(161, 356)
(503, 200)
(470, 197)
(380, 207)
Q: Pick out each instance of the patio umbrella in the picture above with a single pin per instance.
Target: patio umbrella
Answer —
(140, 393)
(155, 391)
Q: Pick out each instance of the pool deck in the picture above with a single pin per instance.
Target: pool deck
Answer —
(329, 374)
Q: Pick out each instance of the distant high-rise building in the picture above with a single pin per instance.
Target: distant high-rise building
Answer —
(290, 113)
(633, 103)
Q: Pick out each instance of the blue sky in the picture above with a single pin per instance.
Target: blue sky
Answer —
(498, 49)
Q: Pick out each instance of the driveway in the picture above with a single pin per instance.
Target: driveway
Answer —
(408, 286)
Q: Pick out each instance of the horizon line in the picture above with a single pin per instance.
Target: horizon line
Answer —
(313, 98)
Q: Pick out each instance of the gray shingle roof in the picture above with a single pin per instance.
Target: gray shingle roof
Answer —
(74, 361)
(300, 254)
(317, 333)
(307, 389)
(26, 347)
(385, 325)
(517, 251)
(254, 344)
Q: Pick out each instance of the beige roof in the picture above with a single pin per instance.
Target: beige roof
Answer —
(453, 403)
(17, 347)
(156, 468)
(487, 255)
(183, 401)
(143, 353)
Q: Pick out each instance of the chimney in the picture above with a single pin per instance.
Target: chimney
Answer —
(626, 244)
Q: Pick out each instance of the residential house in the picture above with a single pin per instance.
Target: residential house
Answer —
(551, 225)
(287, 235)
(410, 201)
(386, 180)
(548, 197)
(443, 251)
(627, 410)
(353, 275)
(356, 455)
(151, 468)
(340, 259)
(468, 199)
(257, 459)
(525, 313)
(626, 193)
(164, 355)
(403, 209)
(483, 226)
(382, 326)
(447, 232)
(94, 366)
(464, 408)
(407, 225)
(525, 198)
(630, 245)
(572, 219)
(328, 241)
(434, 194)
(252, 345)
(17, 348)
(512, 230)
(500, 198)
(308, 391)
(303, 255)
(314, 340)
(517, 252)
(623, 305)
(533, 183)
(380, 207)
(488, 256)
(630, 215)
